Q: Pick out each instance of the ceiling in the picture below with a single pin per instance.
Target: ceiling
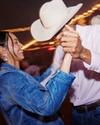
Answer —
(21, 13)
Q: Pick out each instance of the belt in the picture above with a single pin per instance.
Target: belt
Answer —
(43, 118)
(86, 108)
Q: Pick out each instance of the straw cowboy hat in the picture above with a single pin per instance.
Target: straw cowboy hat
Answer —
(53, 16)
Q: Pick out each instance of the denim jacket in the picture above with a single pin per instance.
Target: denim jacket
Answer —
(21, 95)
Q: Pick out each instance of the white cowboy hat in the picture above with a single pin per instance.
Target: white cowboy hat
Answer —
(53, 16)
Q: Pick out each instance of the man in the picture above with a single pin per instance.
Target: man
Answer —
(83, 45)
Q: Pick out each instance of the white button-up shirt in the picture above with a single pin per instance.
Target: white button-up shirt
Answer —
(86, 86)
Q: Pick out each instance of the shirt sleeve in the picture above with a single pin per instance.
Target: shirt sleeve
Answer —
(25, 91)
(90, 36)
(95, 62)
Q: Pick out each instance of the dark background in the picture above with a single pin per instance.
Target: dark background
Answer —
(21, 13)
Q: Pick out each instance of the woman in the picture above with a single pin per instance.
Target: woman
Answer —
(23, 99)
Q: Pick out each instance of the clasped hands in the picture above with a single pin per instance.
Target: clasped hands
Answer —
(70, 41)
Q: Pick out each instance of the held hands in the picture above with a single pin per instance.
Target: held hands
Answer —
(70, 41)
(70, 47)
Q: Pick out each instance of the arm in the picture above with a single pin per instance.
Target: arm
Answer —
(25, 91)
(72, 43)
(57, 61)
(85, 55)
(65, 67)
(83, 44)
(90, 37)
(58, 58)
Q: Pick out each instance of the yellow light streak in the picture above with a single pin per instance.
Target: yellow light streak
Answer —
(51, 43)
(85, 14)
(17, 30)
(28, 44)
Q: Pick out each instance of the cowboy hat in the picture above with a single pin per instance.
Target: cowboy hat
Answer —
(53, 16)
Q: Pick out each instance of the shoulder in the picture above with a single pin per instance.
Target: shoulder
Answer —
(88, 28)
(10, 76)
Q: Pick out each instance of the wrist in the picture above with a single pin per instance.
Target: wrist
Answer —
(85, 55)
(65, 67)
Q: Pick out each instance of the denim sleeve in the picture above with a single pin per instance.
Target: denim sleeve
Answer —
(24, 91)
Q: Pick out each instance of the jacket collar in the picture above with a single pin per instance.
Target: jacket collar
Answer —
(7, 66)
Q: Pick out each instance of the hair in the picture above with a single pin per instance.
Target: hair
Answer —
(3, 41)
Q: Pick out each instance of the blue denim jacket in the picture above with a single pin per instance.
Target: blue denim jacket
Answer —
(21, 95)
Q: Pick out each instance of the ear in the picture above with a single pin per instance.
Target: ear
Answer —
(3, 54)
(1, 50)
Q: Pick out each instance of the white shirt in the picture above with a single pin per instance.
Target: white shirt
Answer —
(86, 86)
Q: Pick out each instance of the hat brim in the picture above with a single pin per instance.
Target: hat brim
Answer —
(41, 33)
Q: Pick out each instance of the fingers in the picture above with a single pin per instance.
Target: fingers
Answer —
(70, 41)
(67, 32)
(67, 27)
(59, 36)
(67, 35)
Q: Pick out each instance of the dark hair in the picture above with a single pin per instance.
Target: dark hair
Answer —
(3, 41)
(3, 38)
